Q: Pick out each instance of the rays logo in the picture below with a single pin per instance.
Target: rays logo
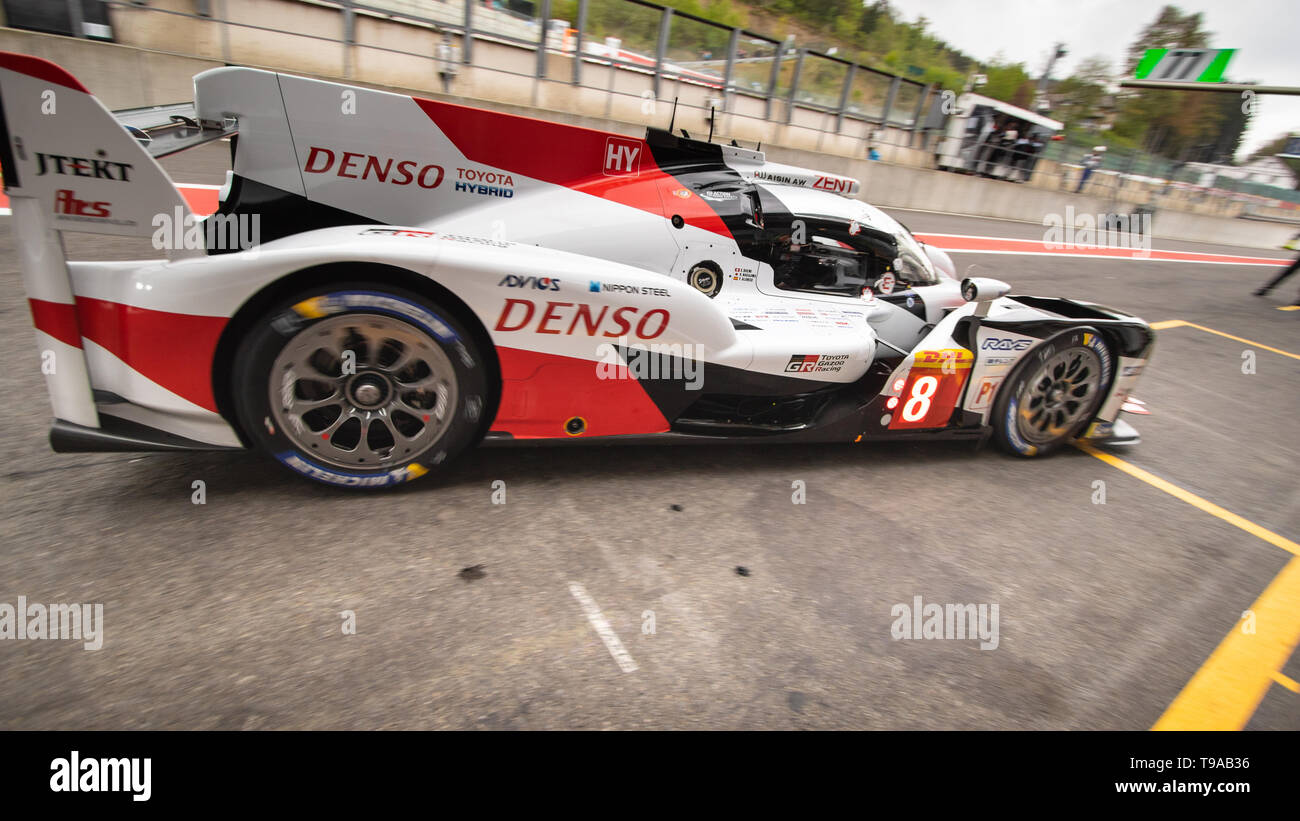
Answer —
(540, 283)
(995, 344)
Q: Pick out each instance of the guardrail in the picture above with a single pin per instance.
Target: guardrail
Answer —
(628, 61)
(642, 54)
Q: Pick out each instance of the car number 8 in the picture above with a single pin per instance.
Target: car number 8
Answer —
(918, 405)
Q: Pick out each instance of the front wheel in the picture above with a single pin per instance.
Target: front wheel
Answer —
(360, 386)
(1052, 394)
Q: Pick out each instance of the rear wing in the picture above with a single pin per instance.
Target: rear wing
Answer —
(69, 165)
(167, 129)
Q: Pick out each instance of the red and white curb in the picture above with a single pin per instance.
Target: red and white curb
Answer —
(1033, 247)
(203, 200)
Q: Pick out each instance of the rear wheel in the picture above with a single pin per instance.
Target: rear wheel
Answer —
(360, 387)
(1052, 394)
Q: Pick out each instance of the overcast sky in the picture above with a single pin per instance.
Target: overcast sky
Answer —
(1265, 32)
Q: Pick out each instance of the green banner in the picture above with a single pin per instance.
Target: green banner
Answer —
(1184, 65)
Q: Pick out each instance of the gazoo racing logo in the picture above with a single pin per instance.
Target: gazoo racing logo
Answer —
(540, 283)
(816, 363)
(622, 157)
(355, 166)
(99, 169)
(569, 318)
(994, 343)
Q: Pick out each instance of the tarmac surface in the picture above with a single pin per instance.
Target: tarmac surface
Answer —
(733, 606)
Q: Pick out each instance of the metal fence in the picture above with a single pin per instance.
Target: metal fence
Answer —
(1122, 167)
(651, 53)
(710, 66)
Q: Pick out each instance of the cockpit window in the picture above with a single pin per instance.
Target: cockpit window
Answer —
(830, 257)
(913, 266)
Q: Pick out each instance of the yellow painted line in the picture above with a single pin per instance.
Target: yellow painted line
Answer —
(1227, 689)
(1179, 323)
(1193, 500)
(1288, 307)
(1240, 339)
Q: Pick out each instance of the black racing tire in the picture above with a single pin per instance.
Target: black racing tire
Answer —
(360, 385)
(1053, 393)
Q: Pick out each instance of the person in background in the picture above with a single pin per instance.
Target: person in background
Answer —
(1005, 154)
(1031, 155)
(1090, 161)
(1293, 245)
(986, 151)
(1019, 157)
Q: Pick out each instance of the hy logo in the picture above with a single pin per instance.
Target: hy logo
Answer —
(622, 157)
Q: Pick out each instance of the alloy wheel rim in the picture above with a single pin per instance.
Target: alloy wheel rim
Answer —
(1060, 392)
(363, 391)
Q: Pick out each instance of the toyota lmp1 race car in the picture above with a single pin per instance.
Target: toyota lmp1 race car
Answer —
(409, 278)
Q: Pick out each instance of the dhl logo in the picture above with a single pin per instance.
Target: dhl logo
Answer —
(951, 359)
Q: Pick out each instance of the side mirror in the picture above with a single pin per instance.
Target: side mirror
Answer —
(978, 289)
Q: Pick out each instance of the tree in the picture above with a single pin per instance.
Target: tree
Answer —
(1171, 29)
(1233, 120)
(1095, 71)
(1176, 124)
(1008, 82)
(1079, 97)
(870, 32)
(871, 15)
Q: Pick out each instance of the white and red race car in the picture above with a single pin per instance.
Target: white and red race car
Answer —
(389, 281)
